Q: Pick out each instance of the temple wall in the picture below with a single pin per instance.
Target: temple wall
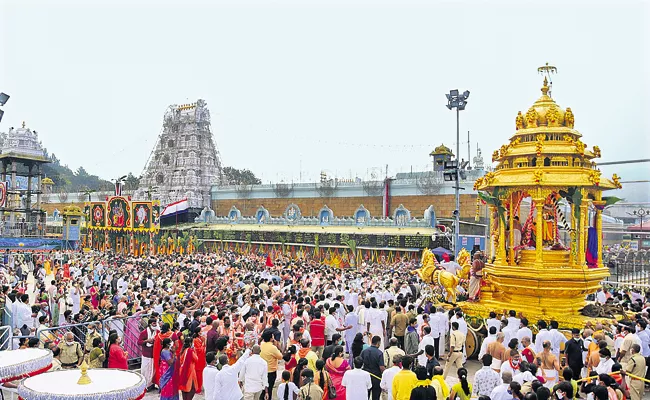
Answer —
(346, 206)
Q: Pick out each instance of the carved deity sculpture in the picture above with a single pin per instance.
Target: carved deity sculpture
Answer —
(596, 152)
(553, 116)
(531, 118)
(569, 118)
(519, 121)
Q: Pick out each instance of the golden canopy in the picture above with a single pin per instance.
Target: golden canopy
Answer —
(546, 151)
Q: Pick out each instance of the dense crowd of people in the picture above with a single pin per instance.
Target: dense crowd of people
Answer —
(247, 327)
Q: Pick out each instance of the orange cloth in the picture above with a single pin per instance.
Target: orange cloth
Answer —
(199, 349)
(188, 380)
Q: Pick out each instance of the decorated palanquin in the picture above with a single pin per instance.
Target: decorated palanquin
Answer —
(123, 225)
(545, 201)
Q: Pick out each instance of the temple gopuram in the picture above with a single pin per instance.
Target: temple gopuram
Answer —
(545, 201)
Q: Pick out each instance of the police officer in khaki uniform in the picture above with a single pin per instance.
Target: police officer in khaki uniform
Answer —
(456, 345)
(636, 366)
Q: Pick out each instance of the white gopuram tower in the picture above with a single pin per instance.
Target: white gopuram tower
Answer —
(185, 162)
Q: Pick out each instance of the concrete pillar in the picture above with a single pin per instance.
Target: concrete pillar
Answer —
(13, 197)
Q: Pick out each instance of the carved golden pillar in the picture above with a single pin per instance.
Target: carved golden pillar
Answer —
(511, 236)
(599, 233)
(584, 209)
(539, 233)
(574, 236)
(493, 228)
(501, 250)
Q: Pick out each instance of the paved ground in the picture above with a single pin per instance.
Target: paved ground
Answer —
(472, 366)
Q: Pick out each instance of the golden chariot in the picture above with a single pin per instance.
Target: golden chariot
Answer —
(546, 185)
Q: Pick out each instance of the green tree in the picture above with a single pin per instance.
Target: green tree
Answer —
(81, 172)
(131, 182)
(55, 160)
(234, 176)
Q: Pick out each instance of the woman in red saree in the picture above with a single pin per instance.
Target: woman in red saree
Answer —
(66, 271)
(188, 382)
(199, 348)
(117, 357)
(336, 367)
(177, 338)
(168, 371)
(94, 295)
(164, 333)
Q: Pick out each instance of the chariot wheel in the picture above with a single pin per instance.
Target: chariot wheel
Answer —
(472, 344)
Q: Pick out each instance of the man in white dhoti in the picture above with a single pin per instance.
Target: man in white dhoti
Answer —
(375, 324)
(145, 341)
(351, 319)
(443, 327)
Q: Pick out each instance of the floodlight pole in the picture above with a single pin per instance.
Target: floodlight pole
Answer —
(457, 189)
(457, 100)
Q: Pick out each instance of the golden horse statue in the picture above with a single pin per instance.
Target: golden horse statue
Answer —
(437, 277)
(464, 259)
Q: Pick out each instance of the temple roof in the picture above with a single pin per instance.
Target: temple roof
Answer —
(441, 150)
(21, 143)
(546, 150)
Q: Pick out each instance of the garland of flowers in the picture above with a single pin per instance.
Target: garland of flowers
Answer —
(479, 202)
(21, 370)
(528, 230)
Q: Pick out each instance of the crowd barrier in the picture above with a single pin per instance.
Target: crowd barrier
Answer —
(127, 328)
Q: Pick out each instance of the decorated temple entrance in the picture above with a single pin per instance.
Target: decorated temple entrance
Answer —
(124, 226)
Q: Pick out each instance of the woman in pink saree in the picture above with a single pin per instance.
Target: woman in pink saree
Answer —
(168, 372)
(94, 295)
(336, 366)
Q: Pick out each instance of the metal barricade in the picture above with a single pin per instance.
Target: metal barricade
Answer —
(128, 328)
(15, 341)
(5, 337)
(56, 334)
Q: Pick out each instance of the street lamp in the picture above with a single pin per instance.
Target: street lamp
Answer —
(3, 99)
(457, 100)
(641, 213)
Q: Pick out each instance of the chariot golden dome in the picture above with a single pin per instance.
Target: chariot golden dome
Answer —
(546, 150)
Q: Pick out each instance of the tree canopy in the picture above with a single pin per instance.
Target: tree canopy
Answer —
(234, 176)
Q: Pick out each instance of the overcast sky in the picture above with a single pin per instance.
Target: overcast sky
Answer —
(296, 87)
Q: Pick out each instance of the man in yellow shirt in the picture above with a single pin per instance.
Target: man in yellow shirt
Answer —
(404, 381)
(270, 354)
(456, 343)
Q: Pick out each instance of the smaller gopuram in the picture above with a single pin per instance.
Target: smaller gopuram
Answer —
(546, 200)
(21, 161)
